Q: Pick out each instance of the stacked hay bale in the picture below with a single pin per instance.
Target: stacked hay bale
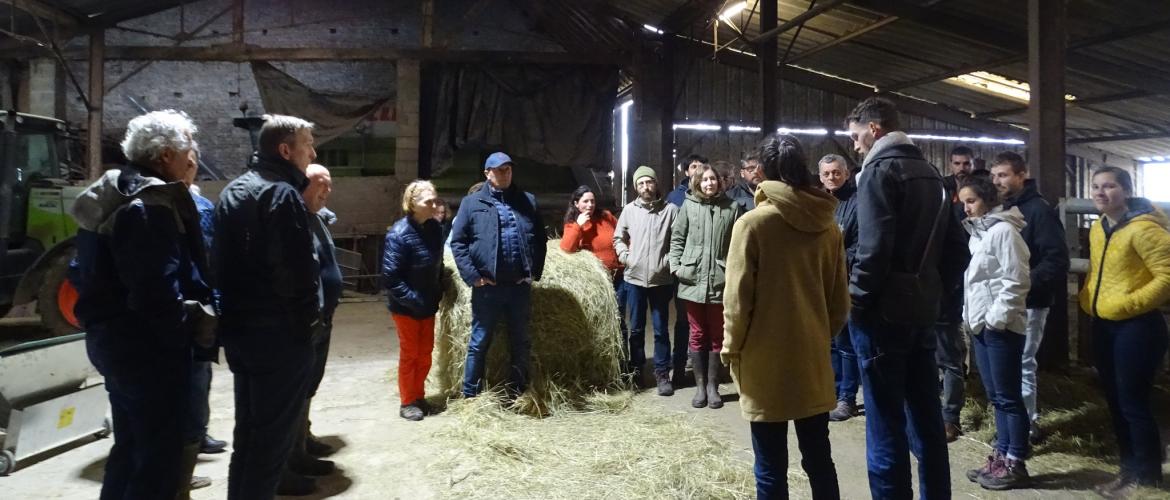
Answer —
(575, 332)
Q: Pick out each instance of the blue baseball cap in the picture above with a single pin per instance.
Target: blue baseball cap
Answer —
(496, 160)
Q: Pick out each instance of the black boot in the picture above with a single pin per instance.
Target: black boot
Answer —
(698, 365)
(211, 445)
(714, 401)
(295, 485)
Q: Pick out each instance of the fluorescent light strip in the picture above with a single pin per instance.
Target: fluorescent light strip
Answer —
(698, 126)
(714, 127)
(652, 29)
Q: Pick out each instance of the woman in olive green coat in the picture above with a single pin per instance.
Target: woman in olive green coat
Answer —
(699, 240)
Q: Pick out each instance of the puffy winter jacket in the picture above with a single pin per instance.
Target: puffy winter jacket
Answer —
(140, 270)
(475, 235)
(997, 279)
(699, 239)
(642, 241)
(411, 265)
(1129, 265)
(1044, 235)
(899, 196)
(266, 266)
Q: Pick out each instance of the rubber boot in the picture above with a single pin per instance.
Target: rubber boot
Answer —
(189, 457)
(698, 365)
(714, 401)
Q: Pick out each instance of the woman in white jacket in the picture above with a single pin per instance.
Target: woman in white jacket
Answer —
(997, 284)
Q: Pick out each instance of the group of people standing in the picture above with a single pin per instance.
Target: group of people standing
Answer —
(165, 278)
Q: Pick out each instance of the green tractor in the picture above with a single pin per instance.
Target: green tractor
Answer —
(38, 183)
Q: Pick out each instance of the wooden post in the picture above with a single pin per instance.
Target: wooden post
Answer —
(238, 22)
(1046, 154)
(768, 71)
(97, 93)
(666, 165)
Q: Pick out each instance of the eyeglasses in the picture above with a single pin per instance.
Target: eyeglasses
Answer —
(751, 167)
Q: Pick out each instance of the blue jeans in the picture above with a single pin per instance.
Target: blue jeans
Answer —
(1128, 354)
(952, 360)
(200, 411)
(658, 298)
(682, 332)
(845, 370)
(272, 369)
(899, 380)
(488, 304)
(620, 292)
(998, 354)
(1033, 335)
(770, 444)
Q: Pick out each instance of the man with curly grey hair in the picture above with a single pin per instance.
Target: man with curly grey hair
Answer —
(143, 301)
(267, 274)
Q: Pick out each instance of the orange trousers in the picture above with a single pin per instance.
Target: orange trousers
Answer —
(416, 340)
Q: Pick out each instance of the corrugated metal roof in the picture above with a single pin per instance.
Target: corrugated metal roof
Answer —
(909, 49)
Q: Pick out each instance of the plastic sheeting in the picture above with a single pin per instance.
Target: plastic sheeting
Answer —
(332, 114)
(556, 115)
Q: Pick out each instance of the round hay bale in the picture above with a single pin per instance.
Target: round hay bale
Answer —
(574, 327)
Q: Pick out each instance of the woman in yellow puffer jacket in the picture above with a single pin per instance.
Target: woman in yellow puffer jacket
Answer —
(1129, 279)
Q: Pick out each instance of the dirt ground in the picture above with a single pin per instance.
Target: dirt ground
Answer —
(381, 456)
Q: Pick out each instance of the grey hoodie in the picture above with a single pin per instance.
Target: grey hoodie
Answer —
(94, 208)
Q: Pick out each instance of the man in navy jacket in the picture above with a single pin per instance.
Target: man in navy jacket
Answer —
(140, 273)
(499, 243)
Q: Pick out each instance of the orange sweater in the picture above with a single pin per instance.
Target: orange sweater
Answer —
(596, 236)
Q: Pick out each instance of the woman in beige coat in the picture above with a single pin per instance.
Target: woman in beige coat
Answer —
(786, 295)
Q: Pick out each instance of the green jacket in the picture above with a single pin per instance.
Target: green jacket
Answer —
(699, 240)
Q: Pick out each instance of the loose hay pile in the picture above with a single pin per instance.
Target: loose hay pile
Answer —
(611, 448)
(576, 336)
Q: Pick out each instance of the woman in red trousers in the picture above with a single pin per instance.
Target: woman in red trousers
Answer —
(410, 273)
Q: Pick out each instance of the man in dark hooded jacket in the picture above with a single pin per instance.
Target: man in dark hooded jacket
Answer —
(143, 302)
(896, 281)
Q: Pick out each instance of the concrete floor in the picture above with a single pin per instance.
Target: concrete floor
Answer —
(381, 456)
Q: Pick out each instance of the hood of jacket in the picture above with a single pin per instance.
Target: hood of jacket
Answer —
(114, 188)
(978, 226)
(712, 200)
(887, 142)
(807, 210)
(1028, 192)
(1139, 209)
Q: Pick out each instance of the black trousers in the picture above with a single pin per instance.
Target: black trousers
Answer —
(149, 412)
(272, 371)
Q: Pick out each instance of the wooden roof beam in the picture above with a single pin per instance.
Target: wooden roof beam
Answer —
(795, 22)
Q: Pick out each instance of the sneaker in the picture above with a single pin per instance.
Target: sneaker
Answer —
(198, 482)
(1012, 474)
(1124, 486)
(845, 410)
(994, 462)
(411, 412)
(1036, 434)
(664, 386)
(953, 431)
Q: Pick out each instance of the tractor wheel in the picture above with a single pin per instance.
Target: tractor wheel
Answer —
(56, 298)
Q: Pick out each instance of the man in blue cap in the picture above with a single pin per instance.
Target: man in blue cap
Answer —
(498, 242)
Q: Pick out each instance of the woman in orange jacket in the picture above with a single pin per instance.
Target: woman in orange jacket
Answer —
(589, 228)
(1129, 279)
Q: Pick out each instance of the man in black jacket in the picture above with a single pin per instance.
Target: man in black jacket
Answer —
(1044, 235)
(751, 173)
(952, 343)
(837, 179)
(499, 243)
(895, 283)
(268, 275)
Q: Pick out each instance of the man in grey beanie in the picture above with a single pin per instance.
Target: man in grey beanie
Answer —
(642, 241)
